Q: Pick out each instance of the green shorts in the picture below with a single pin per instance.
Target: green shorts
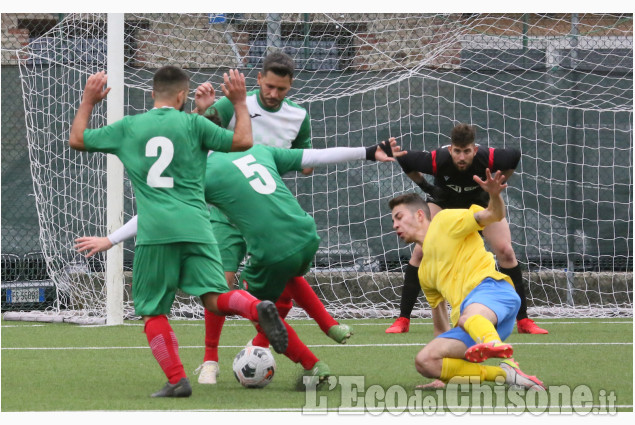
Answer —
(159, 270)
(231, 244)
(266, 282)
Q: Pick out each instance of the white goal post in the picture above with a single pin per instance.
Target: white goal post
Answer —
(559, 87)
(114, 171)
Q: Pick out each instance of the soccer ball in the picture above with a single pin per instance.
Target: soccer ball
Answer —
(254, 367)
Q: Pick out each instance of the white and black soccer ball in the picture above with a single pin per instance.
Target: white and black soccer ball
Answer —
(254, 367)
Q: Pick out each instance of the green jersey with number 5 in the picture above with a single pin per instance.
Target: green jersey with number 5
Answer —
(247, 188)
(164, 153)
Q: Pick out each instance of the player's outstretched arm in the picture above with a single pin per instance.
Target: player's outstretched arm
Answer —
(204, 97)
(235, 89)
(94, 92)
(495, 210)
(315, 157)
(95, 244)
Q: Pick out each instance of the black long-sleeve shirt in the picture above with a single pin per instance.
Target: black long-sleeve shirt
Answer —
(454, 188)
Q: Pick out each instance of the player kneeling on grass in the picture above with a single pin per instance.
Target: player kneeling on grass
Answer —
(456, 268)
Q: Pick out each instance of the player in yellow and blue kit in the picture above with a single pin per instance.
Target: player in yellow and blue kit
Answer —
(458, 269)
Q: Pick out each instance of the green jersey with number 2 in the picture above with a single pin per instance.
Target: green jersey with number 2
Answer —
(164, 152)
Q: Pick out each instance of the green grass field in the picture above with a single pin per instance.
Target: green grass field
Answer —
(62, 367)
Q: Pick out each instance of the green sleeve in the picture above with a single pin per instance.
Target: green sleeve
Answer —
(303, 140)
(105, 139)
(213, 137)
(287, 159)
(224, 109)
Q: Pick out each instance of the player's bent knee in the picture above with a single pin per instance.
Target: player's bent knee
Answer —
(427, 365)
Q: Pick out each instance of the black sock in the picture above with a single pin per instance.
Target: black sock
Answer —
(517, 277)
(410, 291)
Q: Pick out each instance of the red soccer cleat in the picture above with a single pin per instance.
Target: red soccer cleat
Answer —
(480, 352)
(527, 326)
(401, 326)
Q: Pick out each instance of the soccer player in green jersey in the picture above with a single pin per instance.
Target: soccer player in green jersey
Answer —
(164, 152)
(281, 237)
(275, 121)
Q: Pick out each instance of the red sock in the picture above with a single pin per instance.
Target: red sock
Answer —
(213, 327)
(165, 347)
(297, 352)
(305, 298)
(260, 340)
(284, 303)
(238, 302)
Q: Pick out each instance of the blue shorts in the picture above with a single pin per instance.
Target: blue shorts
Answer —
(501, 298)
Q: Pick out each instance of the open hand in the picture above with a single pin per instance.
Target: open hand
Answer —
(234, 86)
(381, 156)
(95, 91)
(492, 185)
(204, 97)
(92, 244)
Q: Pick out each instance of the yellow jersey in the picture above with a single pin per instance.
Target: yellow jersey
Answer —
(455, 260)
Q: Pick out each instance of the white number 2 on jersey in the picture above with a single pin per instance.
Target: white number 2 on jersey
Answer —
(167, 152)
(248, 166)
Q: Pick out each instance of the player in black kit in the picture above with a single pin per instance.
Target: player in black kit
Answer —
(453, 168)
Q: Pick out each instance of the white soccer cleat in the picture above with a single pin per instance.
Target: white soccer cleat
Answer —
(518, 378)
(208, 372)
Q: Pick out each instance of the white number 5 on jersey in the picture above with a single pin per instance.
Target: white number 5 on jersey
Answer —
(167, 152)
(248, 166)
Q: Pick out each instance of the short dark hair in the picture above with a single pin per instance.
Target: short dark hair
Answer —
(411, 200)
(463, 135)
(169, 80)
(279, 63)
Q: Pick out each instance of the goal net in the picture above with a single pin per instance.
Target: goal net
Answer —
(559, 87)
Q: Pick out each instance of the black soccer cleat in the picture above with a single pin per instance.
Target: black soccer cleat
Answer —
(272, 325)
(180, 389)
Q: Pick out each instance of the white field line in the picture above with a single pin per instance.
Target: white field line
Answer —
(309, 322)
(414, 344)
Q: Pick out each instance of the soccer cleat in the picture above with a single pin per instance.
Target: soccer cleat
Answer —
(401, 326)
(208, 372)
(481, 352)
(272, 325)
(340, 333)
(528, 326)
(319, 374)
(180, 389)
(518, 378)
